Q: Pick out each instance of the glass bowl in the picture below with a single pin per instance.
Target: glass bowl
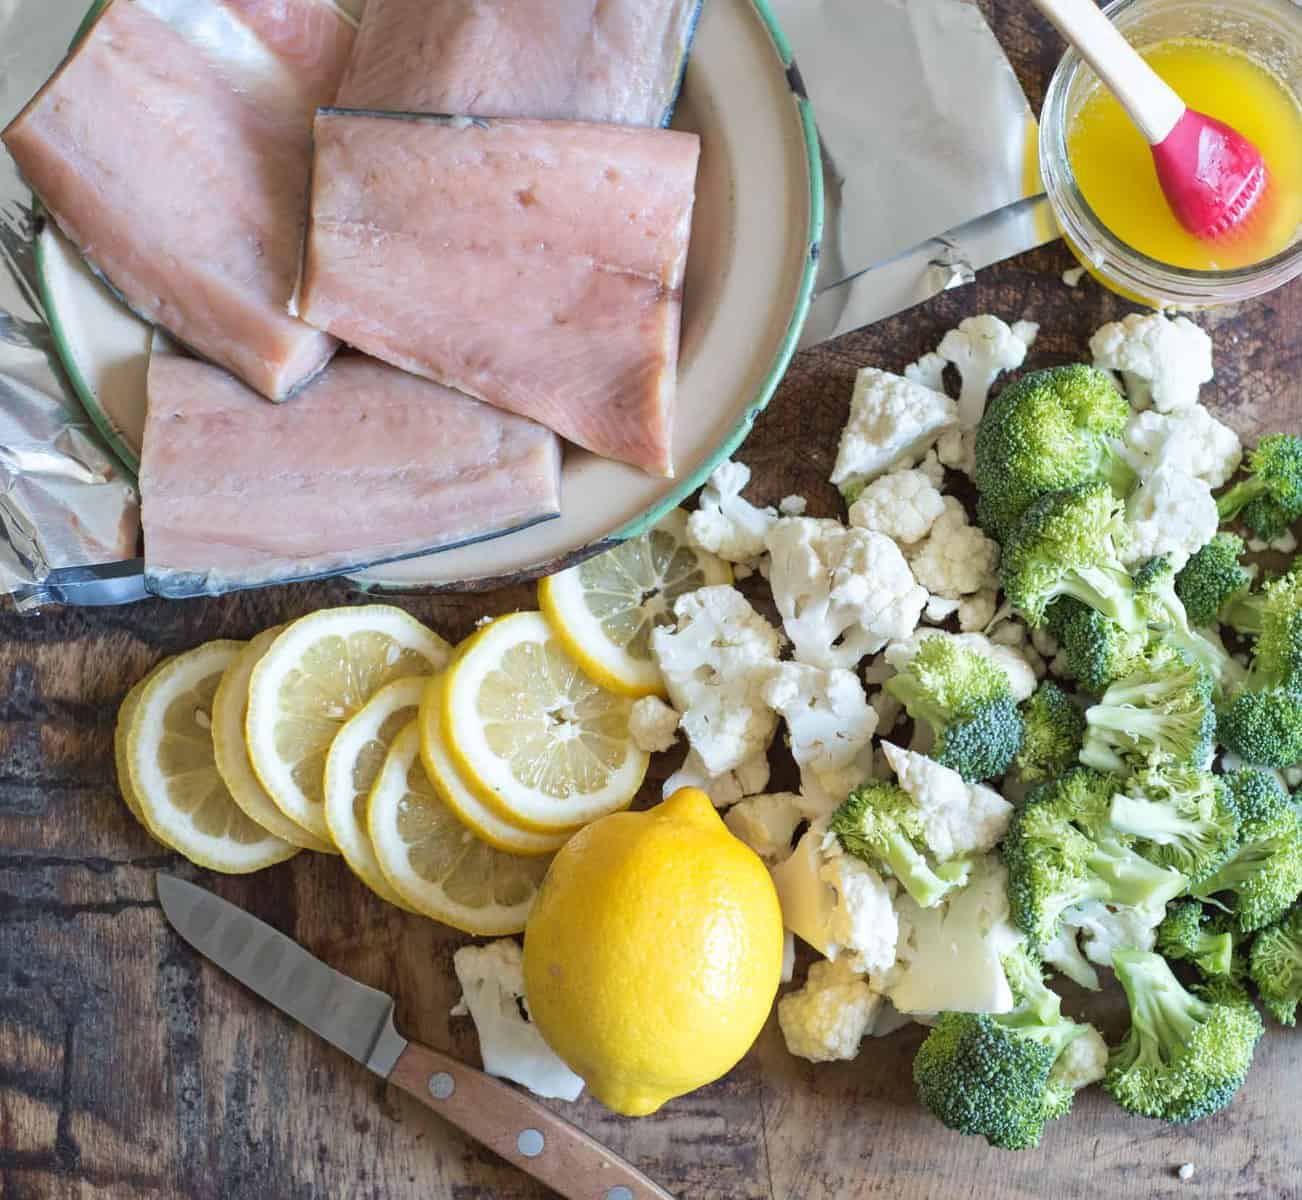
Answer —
(1269, 31)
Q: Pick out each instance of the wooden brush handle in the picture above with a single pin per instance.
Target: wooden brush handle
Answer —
(1151, 103)
(521, 1130)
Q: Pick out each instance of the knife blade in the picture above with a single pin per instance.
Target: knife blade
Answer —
(359, 1020)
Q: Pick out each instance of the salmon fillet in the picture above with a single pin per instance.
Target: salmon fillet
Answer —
(619, 61)
(368, 465)
(173, 148)
(536, 265)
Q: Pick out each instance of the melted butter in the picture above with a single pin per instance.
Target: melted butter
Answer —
(1114, 166)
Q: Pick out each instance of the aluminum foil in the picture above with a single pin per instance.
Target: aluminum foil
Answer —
(65, 503)
(926, 134)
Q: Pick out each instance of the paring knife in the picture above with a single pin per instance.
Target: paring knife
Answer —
(359, 1021)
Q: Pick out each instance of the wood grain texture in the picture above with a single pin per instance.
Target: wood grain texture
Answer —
(130, 1069)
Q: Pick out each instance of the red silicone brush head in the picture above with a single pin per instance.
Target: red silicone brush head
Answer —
(1212, 175)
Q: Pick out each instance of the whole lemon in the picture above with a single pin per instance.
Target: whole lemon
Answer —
(653, 952)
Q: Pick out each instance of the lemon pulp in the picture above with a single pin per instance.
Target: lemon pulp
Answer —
(1113, 164)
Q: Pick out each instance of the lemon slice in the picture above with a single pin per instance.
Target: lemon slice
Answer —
(604, 610)
(483, 820)
(171, 766)
(434, 862)
(355, 758)
(531, 734)
(317, 674)
(229, 707)
(121, 734)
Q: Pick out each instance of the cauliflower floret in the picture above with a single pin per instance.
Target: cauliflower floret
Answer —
(748, 778)
(714, 661)
(827, 1019)
(956, 449)
(1021, 678)
(492, 986)
(939, 609)
(793, 506)
(1083, 1062)
(982, 348)
(976, 611)
(929, 371)
(1190, 440)
(1072, 276)
(903, 505)
(1103, 930)
(958, 817)
(1064, 956)
(843, 593)
(836, 902)
(652, 725)
(892, 423)
(827, 714)
(1162, 362)
(1170, 513)
(933, 469)
(956, 558)
(766, 823)
(724, 523)
(950, 957)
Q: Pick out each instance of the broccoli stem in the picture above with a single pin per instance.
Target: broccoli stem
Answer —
(1244, 614)
(1231, 503)
(1163, 1012)
(908, 866)
(1214, 952)
(1109, 591)
(1151, 821)
(1131, 880)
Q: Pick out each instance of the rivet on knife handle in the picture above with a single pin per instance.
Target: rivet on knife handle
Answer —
(521, 1130)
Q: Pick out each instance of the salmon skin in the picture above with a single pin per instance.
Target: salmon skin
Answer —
(173, 148)
(536, 265)
(368, 465)
(618, 61)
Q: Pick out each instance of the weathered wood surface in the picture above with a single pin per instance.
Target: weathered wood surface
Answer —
(129, 1068)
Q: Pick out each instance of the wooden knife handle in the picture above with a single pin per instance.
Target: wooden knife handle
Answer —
(521, 1130)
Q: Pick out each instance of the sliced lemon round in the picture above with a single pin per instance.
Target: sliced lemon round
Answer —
(531, 734)
(355, 758)
(434, 862)
(604, 610)
(121, 733)
(482, 819)
(172, 767)
(317, 674)
(229, 707)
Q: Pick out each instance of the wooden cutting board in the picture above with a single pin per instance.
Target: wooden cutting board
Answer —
(129, 1068)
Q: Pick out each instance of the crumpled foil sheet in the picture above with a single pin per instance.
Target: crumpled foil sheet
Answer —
(926, 136)
(65, 503)
(928, 152)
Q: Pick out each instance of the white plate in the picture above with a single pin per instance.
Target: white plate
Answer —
(755, 240)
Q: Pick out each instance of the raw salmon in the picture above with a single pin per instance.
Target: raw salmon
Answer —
(585, 60)
(366, 466)
(537, 265)
(173, 148)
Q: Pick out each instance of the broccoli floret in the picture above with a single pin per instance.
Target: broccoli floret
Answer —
(1213, 579)
(1185, 1056)
(1275, 615)
(965, 698)
(1270, 500)
(1048, 431)
(1061, 851)
(1262, 723)
(1096, 650)
(1053, 727)
(1155, 590)
(880, 824)
(1179, 816)
(992, 1076)
(1066, 545)
(1275, 965)
(1162, 709)
(1191, 933)
(1263, 877)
